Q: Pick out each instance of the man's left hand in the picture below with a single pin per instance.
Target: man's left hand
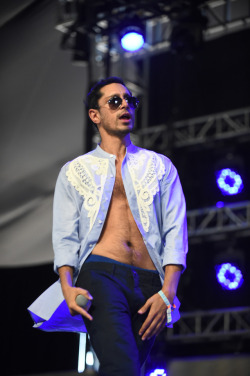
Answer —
(156, 319)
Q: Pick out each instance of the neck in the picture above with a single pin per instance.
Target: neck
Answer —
(116, 146)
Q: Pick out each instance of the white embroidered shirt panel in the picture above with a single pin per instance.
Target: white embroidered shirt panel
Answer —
(146, 169)
(88, 175)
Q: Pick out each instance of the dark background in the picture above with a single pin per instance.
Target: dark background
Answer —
(214, 79)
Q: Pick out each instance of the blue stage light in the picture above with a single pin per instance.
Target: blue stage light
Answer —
(132, 41)
(229, 276)
(158, 372)
(229, 182)
(220, 204)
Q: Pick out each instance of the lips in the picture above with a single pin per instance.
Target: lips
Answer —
(125, 116)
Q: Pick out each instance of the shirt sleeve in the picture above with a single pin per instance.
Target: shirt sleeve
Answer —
(174, 223)
(65, 232)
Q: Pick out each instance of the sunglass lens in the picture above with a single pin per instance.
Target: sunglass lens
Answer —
(133, 102)
(115, 102)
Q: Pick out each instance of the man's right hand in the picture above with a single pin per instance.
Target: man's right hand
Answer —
(70, 293)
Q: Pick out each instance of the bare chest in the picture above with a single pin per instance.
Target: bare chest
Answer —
(119, 190)
(120, 238)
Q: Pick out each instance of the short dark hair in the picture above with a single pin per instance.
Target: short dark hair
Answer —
(95, 93)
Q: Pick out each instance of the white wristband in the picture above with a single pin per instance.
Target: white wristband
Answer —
(169, 306)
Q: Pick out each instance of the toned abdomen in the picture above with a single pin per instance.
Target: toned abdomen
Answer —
(121, 239)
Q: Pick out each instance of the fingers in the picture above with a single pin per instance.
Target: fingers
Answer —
(153, 326)
(86, 293)
(146, 306)
(156, 318)
(74, 308)
(154, 329)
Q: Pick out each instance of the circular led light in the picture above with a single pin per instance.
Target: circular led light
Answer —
(229, 276)
(132, 41)
(229, 182)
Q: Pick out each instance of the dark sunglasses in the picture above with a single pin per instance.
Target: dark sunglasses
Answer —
(116, 101)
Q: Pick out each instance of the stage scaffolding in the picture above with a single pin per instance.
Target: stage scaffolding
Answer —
(217, 325)
(196, 131)
(213, 220)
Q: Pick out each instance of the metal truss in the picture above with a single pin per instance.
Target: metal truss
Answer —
(213, 220)
(210, 128)
(104, 20)
(215, 324)
(156, 138)
(226, 16)
(213, 127)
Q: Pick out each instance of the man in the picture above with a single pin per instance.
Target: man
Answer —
(119, 232)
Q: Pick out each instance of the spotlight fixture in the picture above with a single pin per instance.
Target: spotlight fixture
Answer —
(188, 24)
(132, 34)
(132, 40)
(79, 44)
(229, 276)
(229, 182)
(81, 50)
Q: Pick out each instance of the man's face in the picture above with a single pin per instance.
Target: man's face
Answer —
(120, 121)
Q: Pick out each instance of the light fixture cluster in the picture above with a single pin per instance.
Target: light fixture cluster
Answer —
(84, 22)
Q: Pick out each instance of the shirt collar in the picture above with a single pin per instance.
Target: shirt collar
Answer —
(130, 149)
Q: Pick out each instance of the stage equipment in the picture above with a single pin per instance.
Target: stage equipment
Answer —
(230, 177)
(87, 359)
(229, 182)
(102, 23)
(188, 24)
(229, 276)
(229, 267)
(132, 40)
(132, 34)
(78, 42)
(90, 358)
(158, 372)
(82, 352)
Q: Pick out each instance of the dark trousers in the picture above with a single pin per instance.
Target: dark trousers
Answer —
(118, 291)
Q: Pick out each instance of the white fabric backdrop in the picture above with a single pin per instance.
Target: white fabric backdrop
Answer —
(42, 126)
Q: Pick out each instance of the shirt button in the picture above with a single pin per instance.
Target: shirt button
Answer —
(100, 221)
(90, 245)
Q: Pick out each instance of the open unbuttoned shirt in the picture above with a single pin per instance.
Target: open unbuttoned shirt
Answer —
(81, 202)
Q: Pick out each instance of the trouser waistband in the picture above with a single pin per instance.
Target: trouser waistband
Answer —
(114, 267)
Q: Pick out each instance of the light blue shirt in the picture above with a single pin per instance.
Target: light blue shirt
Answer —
(81, 202)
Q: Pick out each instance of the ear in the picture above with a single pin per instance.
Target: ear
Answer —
(94, 116)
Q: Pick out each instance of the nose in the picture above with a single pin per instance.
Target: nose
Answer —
(124, 103)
